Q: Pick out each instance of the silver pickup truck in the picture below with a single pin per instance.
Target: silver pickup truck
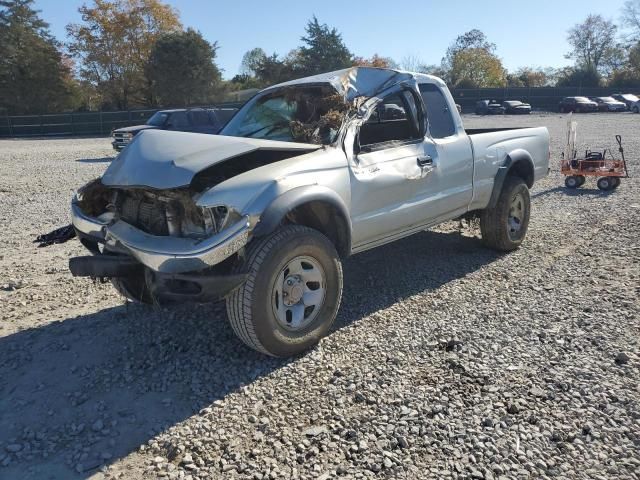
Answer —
(305, 174)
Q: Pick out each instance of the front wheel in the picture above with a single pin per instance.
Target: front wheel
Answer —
(292, 293)
(504, 226)
(133, 288)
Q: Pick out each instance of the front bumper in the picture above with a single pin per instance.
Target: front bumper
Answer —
(179, 287)
(163, 254)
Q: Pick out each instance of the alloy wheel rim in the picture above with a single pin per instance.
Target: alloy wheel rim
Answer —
(298, 293)
(516, 217)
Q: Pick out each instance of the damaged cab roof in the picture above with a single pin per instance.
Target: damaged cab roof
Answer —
(352, 82)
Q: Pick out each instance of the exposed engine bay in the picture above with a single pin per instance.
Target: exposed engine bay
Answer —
(173, 212)
(162, 213)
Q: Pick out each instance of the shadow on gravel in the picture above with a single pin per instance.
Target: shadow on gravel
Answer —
(578, 192)
(96, 160)
(80, 393)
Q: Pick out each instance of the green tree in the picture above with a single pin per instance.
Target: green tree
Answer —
(629, 75)
(473, 39)
(476, 68)
(113, 44)
(376, 61)
(272, 69)
(34, 75)
(631, 18)
(579, 77)
(251, 61)
(323, 49)
(182, 69)
(594, 45)
(528, 77)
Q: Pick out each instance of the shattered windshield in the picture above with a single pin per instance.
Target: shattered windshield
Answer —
(292, 114)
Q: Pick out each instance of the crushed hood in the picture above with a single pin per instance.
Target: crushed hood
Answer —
(162, 159)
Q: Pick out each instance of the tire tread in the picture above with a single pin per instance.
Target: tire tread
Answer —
(491, 226)
(240, 301)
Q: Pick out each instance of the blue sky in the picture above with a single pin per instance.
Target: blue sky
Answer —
(527, 33)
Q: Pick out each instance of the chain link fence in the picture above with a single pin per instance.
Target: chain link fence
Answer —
(103, 123)
(78, 123)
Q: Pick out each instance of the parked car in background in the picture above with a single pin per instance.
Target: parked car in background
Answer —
(577, 105)
(516, 107)
(627, 98)
(489, 107)
(197, 120)
(609, 104)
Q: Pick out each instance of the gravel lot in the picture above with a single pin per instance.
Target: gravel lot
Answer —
(447, 359)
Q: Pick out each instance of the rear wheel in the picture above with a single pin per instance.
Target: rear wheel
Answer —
(292, 294)
(581, 180)
(605, 183)
(572, 181)
(504, 226)
(616, 182)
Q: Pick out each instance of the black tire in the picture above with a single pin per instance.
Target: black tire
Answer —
(581, 180)
(605, 183)
(250, 308)
(636, 109)
(497, 224)
(133, 288)
(616, 182)
(572, 182)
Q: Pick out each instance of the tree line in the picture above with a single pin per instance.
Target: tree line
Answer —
(136, 53)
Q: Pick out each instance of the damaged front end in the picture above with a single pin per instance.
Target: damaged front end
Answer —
(168, 213)
(160, 237)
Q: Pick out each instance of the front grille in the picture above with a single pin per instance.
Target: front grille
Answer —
(121, 138)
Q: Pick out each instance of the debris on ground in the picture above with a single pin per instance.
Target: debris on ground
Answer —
(59, 235)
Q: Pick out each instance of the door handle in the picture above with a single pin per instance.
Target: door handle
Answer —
(425, 161)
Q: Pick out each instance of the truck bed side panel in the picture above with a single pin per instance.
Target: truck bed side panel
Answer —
(490, 151)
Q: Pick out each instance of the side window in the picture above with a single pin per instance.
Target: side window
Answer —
(179, 121)
(394, 120)
(440, 120)
(199, 118)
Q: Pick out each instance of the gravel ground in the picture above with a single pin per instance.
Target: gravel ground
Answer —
(447, 360)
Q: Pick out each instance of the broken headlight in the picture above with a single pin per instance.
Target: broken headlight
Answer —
(219, 217)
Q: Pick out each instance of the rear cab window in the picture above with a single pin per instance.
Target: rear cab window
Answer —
(441, 124)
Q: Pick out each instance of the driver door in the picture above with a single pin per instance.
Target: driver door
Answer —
(386, 167)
